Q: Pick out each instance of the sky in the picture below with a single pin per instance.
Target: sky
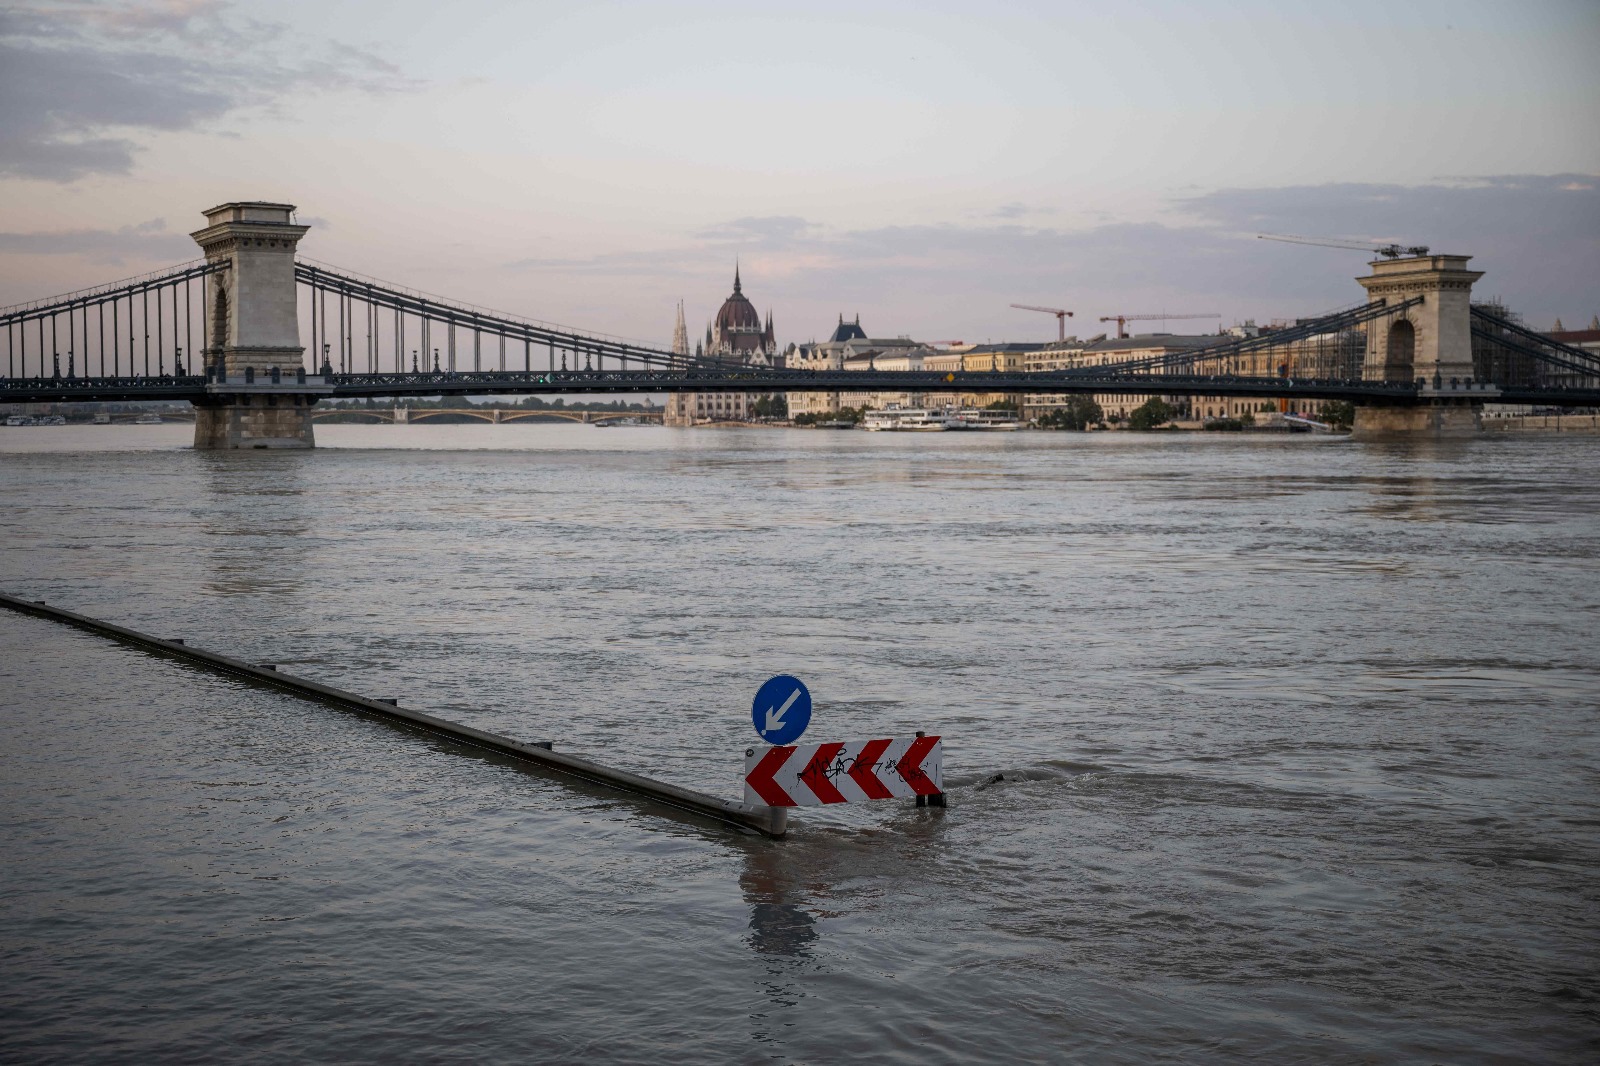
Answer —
(923, 165)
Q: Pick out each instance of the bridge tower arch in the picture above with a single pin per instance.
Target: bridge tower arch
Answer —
(217, 290)
(1429, 343)
(253, 331)
(1400, 351)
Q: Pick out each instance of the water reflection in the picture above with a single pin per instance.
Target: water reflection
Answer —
(780, 923)
(252, 549)
(781, 928)
(1426, 480)
(782, 934)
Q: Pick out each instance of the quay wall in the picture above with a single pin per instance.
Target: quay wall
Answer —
(1551, 423)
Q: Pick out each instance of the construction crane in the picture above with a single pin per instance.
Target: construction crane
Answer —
(1123, 320)
(1061, 317)
(1388, 251)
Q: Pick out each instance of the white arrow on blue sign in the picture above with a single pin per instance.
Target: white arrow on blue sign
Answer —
(782, 710)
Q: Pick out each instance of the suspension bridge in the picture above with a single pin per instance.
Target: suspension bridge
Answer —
(224, 333)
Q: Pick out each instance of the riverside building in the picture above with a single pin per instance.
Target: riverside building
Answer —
(979, 358)
(849, 348)
(736, 335)
(1586, 339)
(1331, 355)
(1065, 354)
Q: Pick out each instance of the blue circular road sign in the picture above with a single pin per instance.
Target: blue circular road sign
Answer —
(782, 710)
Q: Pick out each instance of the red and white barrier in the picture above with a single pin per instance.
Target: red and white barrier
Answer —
(813, 775)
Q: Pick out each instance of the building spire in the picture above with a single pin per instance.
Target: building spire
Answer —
(680, 334)
(736, 287)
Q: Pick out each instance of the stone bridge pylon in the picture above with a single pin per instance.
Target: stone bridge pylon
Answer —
(257, 395)
(1429, 343)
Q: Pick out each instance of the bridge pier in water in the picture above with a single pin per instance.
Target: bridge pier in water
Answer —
(1429, 343)
(257, 391)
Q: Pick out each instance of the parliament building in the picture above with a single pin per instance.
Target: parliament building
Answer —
(736, 335)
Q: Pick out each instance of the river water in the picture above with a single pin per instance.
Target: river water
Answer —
(1259, 749)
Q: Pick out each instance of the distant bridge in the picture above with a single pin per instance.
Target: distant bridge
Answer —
(225, 334)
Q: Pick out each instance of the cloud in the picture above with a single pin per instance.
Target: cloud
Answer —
(768, 231)
(644, 263)
(1460, 212)
(1536, 235)
(1537, 238)
(168, 14)
(60, 98)
(144, 242)
(84, 81)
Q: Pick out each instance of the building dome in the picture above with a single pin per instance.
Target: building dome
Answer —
(737, 329)
(738, 314)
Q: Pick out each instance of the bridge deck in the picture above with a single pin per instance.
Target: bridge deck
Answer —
(488, 383)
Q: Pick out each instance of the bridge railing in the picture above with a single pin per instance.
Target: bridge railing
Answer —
(335, 274)
(1234, 355)
(372, 323)
(145, 326)
(1507, 351)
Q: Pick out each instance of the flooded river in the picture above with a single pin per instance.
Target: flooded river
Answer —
(1260, 749)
